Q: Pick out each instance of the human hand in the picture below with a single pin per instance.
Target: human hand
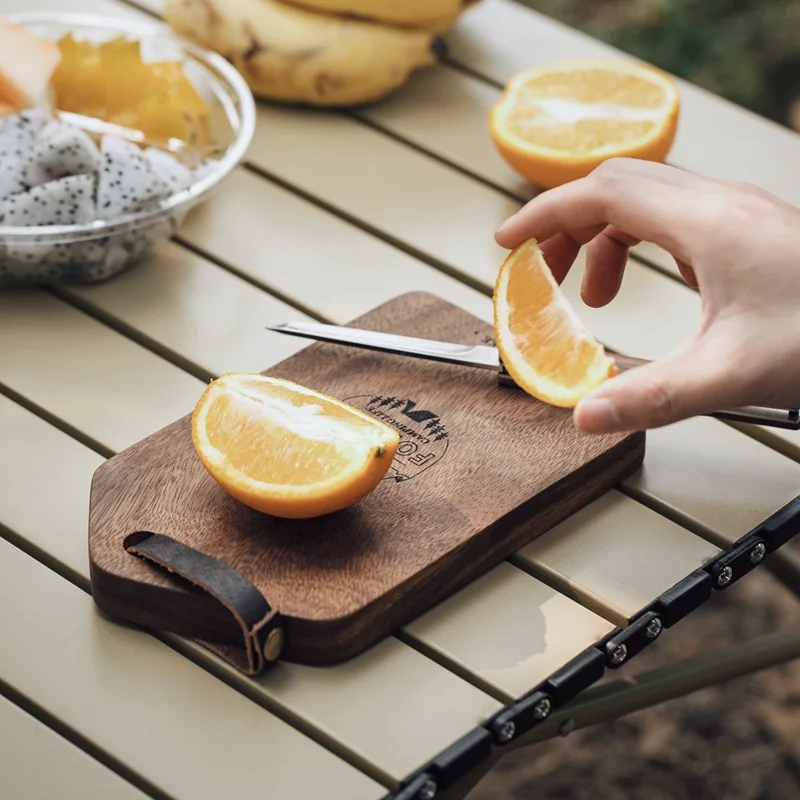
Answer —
(737, 244)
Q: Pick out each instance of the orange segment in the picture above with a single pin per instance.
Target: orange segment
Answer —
(540, 339)
(287, 450)
(557, 122)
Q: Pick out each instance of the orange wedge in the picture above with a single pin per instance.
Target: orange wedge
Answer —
(286, 450)
(557, 122)
(540, 339)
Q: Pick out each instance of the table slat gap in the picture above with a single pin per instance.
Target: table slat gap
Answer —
(114, 644)
(674, 515)
(71, 773)
(369, 229)
(248, 687)
(787, 443)
(434, 155)
(201, 658)
(474, 678)
(584, 597)
(43, 557)
(85, 745)
(273, 291)
(197, 655)
(131, 333)
(56, 421)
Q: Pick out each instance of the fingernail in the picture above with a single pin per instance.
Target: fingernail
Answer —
(598, 414)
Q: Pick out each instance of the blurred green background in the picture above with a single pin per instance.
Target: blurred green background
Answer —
(745, 50)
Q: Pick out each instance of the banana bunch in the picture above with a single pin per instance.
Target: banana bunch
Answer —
(319, 52)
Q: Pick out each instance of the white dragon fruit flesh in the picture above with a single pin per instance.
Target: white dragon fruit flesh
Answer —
(128, 180)
(170, 170)
(68, 201)
(17, 136)
(53, 173)
(60, 150)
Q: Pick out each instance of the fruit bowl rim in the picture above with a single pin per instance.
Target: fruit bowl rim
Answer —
(222, 72)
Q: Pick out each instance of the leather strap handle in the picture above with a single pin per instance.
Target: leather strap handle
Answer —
(262, 632)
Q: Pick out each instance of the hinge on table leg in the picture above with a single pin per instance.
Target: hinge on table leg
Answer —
(734, 564)
(749, 551)
(535, 707)
(520, 717)
(628, 642)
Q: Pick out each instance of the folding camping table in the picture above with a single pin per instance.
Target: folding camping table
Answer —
(401, 196)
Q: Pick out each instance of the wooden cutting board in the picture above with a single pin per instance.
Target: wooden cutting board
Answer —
(481, 470)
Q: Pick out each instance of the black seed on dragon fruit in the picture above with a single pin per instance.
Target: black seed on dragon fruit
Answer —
(60, 150)
(18, 132)
(128, 180)
(68, 201)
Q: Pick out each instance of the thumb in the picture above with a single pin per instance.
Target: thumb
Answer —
(687, 383)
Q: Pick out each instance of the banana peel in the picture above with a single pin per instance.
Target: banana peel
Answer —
(431, 15)
(292, 55)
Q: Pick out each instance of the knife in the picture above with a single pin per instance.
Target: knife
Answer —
(483, 356)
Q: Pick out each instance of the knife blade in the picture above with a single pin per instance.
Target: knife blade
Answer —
(487, 357)
(481, 356)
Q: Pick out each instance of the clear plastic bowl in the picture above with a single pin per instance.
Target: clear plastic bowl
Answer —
(99, 250)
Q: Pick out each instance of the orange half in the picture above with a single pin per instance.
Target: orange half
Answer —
(557, 122)
(287, 450)
(540, 339)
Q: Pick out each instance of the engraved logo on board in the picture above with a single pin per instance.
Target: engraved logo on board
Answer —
(423, 436)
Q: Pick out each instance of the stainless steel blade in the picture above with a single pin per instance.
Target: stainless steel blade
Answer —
(480, 356)
(485, 357)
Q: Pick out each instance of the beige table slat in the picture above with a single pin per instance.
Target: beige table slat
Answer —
(36, 763)
(390, 187)
(131, 696)
(458, 132)
(308, 255)
(622, 537)
(194, 312)
(709, 473)
(499, 37)
(471, 629)
(112, 389)
(389, 693)
(37, 461)
(786, 442)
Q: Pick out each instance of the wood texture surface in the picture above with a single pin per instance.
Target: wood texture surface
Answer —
(482, 471)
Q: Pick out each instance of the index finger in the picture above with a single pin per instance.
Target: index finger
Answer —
(645, 200)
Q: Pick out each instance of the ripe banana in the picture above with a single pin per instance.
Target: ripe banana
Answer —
(293, 55)
(434, 15)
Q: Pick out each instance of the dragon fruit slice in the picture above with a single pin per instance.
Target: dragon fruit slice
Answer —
(18, 132)
(60, 150)
(170, 169)
(128, 180)
(68, 201)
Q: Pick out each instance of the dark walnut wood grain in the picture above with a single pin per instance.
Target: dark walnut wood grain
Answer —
(482, 471)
